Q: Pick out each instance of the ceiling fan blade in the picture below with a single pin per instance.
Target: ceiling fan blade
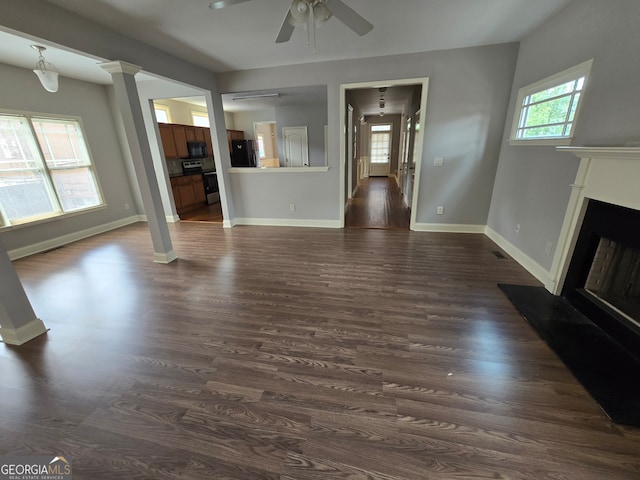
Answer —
(349, 17)
(284, 35)
(225, 3)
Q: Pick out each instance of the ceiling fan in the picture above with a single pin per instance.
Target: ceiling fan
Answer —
(313, 13)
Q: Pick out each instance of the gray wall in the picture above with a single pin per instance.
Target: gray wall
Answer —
(21, 90)
(244, 121)
(467, 104)
(314, 117)
(464, 121)
(532, 183)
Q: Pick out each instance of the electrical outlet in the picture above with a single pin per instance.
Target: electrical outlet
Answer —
(292, 207)
(127, 206)
(438, 162)
(518, 228)
(549, 248)
(440, 210)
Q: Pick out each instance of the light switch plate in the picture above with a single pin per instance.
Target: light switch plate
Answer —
(438, 162)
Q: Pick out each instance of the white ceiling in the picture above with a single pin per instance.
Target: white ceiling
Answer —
(242, 36)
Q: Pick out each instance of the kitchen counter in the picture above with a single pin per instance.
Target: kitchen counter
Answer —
(181, 174)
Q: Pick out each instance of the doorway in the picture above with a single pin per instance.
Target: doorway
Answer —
(296, 146)
(380, 150)
(378, 203)
(267, 143)
(390, 146)
(184, 121)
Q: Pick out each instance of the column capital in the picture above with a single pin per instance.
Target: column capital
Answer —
(118, 66)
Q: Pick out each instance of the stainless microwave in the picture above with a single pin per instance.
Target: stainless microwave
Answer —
(197, 149)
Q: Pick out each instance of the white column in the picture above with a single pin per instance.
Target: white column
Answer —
(128, 102)
(18, 321)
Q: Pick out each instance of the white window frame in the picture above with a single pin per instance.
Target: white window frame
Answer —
(5, 223)
(195, 113)
(162, 108)
(571, 74)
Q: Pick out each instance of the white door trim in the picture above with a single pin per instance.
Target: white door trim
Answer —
(379, 169)
(418, 147)
(350, 151)
(304, 146)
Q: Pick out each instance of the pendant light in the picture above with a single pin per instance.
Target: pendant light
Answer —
(46, 72)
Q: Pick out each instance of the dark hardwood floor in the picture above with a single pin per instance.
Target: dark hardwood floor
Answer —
(378, 203)
(207, 213)
(292, 353)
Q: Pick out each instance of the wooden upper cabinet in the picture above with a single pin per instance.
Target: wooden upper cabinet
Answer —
(168, 142)
(203, 134)
(174, 139)
(200, 133)
(190, 133)
(180, 137)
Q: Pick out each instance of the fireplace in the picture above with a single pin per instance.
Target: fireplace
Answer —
(603, 278)
(589, 314)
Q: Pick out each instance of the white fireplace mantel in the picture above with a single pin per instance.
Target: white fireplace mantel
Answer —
(608, 174)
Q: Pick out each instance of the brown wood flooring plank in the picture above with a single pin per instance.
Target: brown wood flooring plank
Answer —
(377, 203)
(293, 353)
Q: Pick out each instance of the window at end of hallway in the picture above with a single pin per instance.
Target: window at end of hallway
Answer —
(547, 111)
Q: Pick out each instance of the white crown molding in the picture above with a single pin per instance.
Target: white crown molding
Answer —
(119, 66)
(603, 152)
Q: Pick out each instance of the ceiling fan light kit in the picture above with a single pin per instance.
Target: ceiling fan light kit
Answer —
(311, 14)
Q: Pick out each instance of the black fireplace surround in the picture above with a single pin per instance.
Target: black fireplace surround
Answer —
(611, 224)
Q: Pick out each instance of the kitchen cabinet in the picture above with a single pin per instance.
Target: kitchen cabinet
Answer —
(180, 137)
(203, 134)
(199, 194)
(234, 135)
(168, 142)
(188, 192)
(174, 139)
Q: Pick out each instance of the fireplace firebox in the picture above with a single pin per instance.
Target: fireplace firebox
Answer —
(603, 279)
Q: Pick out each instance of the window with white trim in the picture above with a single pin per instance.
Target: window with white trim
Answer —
(163, 113)
(200, 119)
(547, 110)
(45, 169)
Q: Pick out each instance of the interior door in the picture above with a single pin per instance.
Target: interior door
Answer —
(380, 150)
(296, 148)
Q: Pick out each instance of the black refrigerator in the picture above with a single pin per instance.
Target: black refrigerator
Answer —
(243, 153)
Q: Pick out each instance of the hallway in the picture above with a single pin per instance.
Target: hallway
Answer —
(378, 203)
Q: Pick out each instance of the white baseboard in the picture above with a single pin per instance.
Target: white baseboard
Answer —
(71, 237)
(288, 222)
(448, 228)
(165, 258)
(20, 336)
(533, 267)
(171, 218)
